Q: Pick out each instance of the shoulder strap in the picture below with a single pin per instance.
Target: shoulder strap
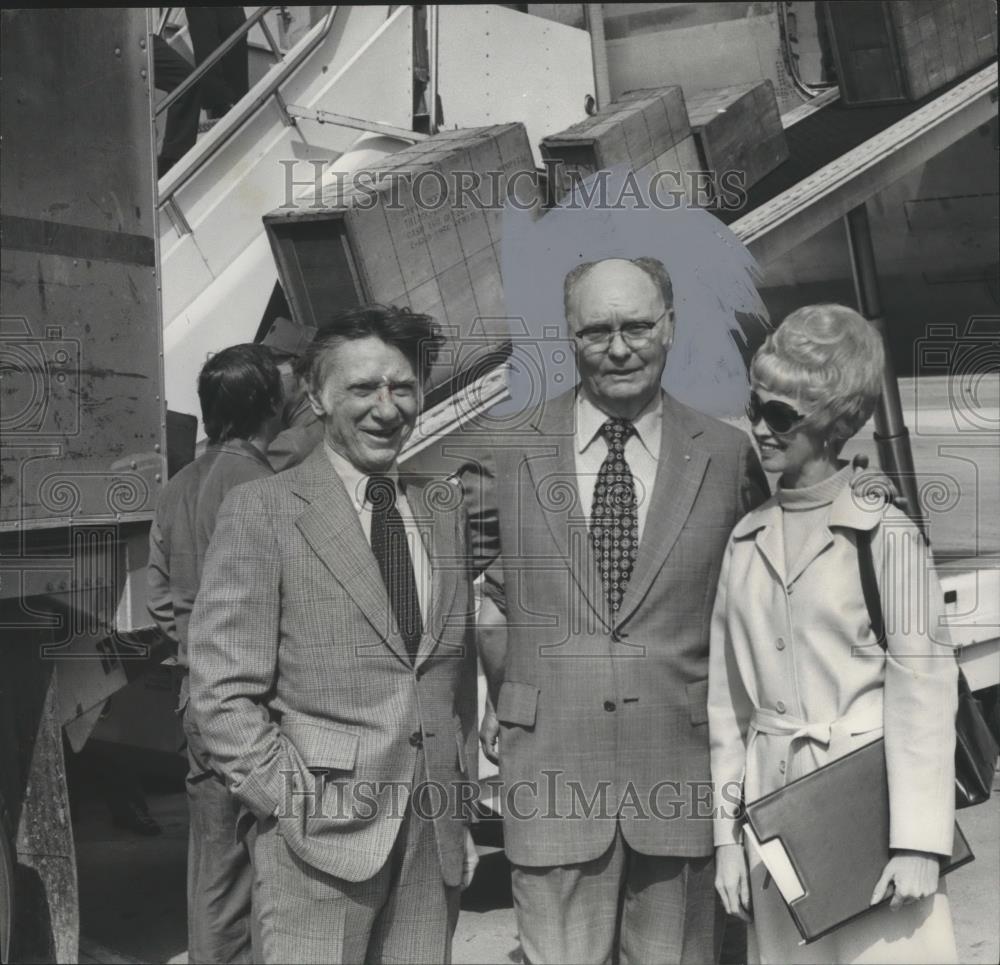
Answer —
(869, 586)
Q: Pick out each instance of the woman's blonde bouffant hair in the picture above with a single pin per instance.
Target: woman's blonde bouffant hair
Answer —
(830, 359)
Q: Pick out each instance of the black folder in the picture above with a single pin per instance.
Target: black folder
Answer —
(825, 839)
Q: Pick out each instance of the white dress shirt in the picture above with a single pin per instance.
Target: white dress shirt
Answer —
(642, 450)
(356, 483)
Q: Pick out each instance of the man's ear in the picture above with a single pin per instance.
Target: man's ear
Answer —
(668, 328)
(315, 404)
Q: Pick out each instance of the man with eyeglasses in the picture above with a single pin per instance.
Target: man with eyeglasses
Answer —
(614, 505)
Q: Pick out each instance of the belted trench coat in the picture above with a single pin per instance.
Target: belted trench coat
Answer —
(798, 679)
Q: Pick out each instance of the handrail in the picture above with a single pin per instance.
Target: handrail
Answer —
(287, 64)
(164, 17)
(209, 62)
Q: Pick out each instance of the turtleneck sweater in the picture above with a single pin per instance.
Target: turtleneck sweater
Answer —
(806, 508)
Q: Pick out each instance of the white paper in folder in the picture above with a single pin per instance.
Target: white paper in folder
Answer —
(775, 858)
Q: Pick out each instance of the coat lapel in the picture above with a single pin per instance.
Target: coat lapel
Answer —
(819, 539)
(764, 524)
(858, 506)
(679, 473)
(331, 527)
(771, 545)
(553, 473)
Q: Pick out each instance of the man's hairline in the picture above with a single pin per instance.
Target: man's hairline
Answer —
(668, 309)
(338, 339)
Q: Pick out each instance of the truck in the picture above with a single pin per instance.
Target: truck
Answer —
(116, 285)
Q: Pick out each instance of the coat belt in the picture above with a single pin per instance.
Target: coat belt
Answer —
(859, 720)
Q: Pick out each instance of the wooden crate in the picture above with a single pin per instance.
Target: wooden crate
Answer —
(372, 241)
(738, 129)
(899, 50)
(646, 131)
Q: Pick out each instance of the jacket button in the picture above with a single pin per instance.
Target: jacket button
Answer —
(416, 739)
(609, 705)
(781, 767)
(780, 643)
(780, 707)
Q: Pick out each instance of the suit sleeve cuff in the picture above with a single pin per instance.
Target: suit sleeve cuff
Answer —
(260, 792)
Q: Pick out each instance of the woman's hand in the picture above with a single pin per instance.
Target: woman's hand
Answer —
(911, 875)
(732, 880)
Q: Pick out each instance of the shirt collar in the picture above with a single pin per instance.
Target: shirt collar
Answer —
(239, 447)
(355, 481)
(648, 424)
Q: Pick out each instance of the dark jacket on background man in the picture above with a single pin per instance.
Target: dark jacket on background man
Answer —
(182, 530)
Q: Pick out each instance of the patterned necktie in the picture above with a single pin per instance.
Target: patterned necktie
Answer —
(614, 521)
(391, 549)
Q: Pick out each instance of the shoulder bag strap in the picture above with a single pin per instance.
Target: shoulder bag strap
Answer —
(869, 585)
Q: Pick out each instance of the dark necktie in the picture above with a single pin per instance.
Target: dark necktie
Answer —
(614, 520)
(391, 549)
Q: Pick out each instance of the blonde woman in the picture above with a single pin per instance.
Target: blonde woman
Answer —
(797, 678)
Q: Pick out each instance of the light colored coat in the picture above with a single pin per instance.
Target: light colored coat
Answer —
(300, 681)
(797, 679)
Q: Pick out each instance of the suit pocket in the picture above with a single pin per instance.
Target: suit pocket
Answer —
(321, 745)
(697, 694)
(518, 704)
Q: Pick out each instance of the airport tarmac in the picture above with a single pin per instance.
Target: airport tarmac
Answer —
(132, 898)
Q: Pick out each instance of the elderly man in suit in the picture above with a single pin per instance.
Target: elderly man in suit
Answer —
(333, 675)
(614, 503)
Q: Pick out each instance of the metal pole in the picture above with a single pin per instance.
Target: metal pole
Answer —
(432, 67)
(891, 434)
(594, 13)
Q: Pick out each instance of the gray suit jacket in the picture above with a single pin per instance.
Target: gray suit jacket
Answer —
(300, 681)
(604, 717)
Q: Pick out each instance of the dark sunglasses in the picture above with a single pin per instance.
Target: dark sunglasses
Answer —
(779, 416)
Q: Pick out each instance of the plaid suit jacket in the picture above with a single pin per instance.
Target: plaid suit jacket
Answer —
(300, 681)
(603, 720)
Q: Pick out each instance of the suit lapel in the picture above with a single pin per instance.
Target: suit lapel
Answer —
(679, 474)
(439, 534)
(553, 473)
(331, 527)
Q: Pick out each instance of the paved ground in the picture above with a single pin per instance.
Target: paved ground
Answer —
(132, 892)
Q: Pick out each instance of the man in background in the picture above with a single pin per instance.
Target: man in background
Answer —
(240, 393)
(217, 90)
(301, 429)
